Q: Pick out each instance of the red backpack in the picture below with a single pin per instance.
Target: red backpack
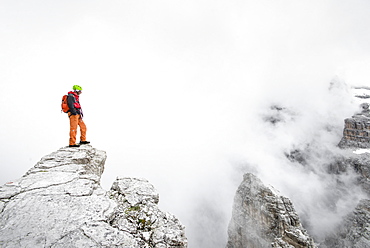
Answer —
(65, 107)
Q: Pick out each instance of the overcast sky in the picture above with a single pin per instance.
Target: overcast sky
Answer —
(174, 91)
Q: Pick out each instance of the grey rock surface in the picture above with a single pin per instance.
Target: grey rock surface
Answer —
(60, 203)
(356, 132)
(262, 218)
(138, 214)
(357, 128)
(354, 232)
(359, 163)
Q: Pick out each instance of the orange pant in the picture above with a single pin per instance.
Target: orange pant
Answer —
(74, 121)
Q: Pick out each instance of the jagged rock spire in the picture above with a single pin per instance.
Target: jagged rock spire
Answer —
(264, 218)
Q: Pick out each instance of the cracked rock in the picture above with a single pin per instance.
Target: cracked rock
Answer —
(263, 218)
(60, 203)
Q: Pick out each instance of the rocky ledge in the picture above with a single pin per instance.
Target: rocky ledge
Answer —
(60, 203)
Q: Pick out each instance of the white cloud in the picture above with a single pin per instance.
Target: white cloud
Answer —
(175, 91)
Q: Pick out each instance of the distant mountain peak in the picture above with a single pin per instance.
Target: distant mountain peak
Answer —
(262, 217)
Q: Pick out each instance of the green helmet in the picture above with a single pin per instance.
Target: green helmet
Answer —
(77, 87)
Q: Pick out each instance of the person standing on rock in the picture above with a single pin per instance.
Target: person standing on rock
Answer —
(75, 115)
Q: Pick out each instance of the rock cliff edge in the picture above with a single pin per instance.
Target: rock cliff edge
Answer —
(60, 203)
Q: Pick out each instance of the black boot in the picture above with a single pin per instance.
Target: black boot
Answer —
(76, 145)
(84, 142)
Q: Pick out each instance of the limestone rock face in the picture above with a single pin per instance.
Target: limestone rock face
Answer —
(357, 160)
(356, 132)
(354, 232)
(263, 218)
(138, 214)
(59, 203)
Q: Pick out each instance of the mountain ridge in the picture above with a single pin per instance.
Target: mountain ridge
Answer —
(259, 216)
